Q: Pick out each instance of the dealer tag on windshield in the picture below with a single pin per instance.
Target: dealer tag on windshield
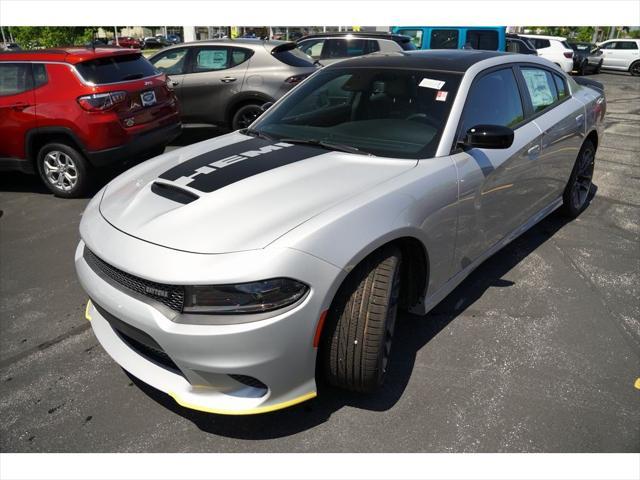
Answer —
(430, 83)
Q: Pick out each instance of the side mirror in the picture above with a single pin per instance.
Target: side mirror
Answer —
(266, 106)
(488, 136)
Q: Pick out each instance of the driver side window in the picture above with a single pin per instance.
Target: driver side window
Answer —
(171, 62)
(494, 99)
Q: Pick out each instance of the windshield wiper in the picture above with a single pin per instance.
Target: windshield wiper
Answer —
(257, 133)
(328, 145)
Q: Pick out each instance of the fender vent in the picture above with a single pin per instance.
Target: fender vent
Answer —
(173, 192)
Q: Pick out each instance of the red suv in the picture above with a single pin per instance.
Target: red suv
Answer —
(65, 112)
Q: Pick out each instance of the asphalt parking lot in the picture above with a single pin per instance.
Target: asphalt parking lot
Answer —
(537, 351)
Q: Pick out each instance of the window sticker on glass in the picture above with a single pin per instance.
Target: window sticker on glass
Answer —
(212, 59)
(441, 96)
(539, 90)
(430, 83)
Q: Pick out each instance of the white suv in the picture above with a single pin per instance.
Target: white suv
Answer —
(621, 54)
(554, 49)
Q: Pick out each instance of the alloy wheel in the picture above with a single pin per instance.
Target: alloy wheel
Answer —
(584, 177)
(248, 115)
(60, 170)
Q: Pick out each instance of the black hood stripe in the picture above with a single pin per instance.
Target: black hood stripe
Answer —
(222, 167)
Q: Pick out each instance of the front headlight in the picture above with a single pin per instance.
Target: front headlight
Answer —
(254, 297)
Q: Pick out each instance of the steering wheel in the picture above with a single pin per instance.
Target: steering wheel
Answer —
(423, 118)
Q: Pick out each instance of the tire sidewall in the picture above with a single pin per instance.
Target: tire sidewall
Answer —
(568, 206)
(239, 112)
(633, 66)
(81, 168)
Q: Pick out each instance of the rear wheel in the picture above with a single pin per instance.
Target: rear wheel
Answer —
(357, 343)
(634, 69)
(576, 194)
(63, 169)
(582, 69)
(245, 115)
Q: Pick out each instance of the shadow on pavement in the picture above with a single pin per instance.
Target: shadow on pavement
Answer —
(412, 334)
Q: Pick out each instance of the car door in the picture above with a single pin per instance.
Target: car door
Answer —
(17, 107)
(561, 120)
(173, 63)
(498, 188)
(628, 52)
(215, 74)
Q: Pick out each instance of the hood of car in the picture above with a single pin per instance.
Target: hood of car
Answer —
(236, 192)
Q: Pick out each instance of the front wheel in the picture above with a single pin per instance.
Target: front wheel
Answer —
(63, 169)
(245, 115)
(576, 194)
(357, 341)
(634, 69)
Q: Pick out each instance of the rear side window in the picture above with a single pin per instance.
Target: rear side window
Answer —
(444, 38)
(626, 46)
(15, 78)
(415, 35)
(482, 39)
(240, 55)
(541, 87)
(116, 69)
(343, 48)
(494, 99)
(540, 42)
(39, 75)
(292, 56)
(561, 86)
(566, 45)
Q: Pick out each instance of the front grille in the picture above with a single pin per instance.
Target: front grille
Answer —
(170, 295)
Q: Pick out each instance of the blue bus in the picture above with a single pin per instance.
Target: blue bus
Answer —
(478, 38)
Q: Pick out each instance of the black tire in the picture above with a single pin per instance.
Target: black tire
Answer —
(356, 344)
(245, 115)
(634, 69)
(577, 192)
(582, 69)
(597, 69)
(74, 180)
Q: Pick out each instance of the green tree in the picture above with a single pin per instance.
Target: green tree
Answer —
(48, 37)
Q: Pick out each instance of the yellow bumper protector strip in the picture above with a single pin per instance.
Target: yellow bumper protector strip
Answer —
(250, 411)
(87, 315)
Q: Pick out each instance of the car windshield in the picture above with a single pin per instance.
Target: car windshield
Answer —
(392, 113)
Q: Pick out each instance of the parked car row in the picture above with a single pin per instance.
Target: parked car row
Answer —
(66, 111)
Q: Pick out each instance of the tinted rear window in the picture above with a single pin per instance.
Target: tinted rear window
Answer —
(482, 39)
(291, 55)
(444, 39)
(116, 69)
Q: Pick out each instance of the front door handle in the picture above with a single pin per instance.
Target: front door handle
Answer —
(580, 119)
(228, 79)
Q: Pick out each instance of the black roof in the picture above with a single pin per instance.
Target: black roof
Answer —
(390, 36)
(458, 61)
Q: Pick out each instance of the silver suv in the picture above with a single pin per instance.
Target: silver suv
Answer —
(226, 82)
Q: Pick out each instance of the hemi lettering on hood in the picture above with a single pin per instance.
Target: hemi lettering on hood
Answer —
(222, 167)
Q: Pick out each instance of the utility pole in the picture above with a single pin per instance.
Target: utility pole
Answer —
(115, 33)
(4, 40)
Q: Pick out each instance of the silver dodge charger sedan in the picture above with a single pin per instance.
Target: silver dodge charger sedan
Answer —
(236, 273)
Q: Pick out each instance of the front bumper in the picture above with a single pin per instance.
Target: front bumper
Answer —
(277, 350)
